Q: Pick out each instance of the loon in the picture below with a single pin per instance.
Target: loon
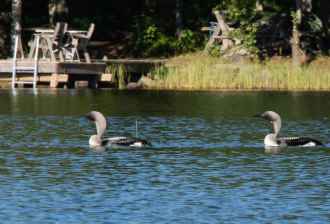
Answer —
(273, 140)
(113, 142)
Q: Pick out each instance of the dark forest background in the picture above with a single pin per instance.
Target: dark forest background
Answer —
(162, 28)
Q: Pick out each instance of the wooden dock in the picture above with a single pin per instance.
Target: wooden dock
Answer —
(71, 74)
(55, 73)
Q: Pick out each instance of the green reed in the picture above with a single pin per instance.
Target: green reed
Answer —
(119, 73)
(201, 72)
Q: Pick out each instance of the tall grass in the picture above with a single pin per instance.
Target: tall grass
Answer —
(201, 72)
(119, 73)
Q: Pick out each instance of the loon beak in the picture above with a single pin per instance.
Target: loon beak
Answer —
(257, 115)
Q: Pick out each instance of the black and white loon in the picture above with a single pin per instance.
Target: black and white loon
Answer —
(273, 139)
(113, 142)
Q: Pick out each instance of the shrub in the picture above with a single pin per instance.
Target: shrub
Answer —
(187, 42)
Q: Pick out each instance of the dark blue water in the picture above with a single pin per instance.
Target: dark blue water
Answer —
(207, 163)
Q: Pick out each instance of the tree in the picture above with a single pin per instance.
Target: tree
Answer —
(259, 6)
(58, 11)
(5, 12)
(299, 56)
(178, 17)
(16, 26)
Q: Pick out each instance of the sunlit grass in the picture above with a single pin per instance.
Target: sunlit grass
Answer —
(119, 74)
(201, 72)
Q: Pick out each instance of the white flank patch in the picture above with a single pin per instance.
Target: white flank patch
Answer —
(269, 141)
(113, 139)
(137, 144)
(309, 144)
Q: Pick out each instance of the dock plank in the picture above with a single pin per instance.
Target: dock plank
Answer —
(48, 67)
(69, 72)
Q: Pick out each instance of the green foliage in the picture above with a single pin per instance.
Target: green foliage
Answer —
(247, 34)
(148, 28)
(215, 50)
(294, 17)
(149, 40)
(242, 12)
(237, 9)
(187, 42)
(314, 23)
(152, 42)
(311, 38)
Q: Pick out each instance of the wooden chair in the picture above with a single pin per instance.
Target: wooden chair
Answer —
(80, 43)
(219, 31)
(58, 40)
(52, 44)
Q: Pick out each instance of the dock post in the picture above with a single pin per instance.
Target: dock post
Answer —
(92, 81)
(71, 83)
(53, 81)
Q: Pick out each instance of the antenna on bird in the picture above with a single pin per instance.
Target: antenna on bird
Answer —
(136, 128)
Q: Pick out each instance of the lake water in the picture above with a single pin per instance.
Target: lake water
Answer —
(207, 163)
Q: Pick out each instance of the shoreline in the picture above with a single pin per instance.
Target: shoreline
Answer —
(174, 90)
(205, 73)
(228, 90)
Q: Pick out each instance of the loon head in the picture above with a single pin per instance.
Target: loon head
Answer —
(274, 118)
(269, 116)
(101, 125)
(99, 120)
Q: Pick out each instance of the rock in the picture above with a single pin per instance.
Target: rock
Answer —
(134, 85)
(143, 82)
(147, 81)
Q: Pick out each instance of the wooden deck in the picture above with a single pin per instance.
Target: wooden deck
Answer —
(55, 73)
(48, 67)
(72, 74)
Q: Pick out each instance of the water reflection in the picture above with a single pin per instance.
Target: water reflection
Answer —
(207, 159)
(211, 105)
(274, 150)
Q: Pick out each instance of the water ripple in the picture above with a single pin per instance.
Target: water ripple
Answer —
(203, 168)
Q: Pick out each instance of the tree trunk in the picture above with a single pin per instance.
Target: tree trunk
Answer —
(16, 26)
(295, 40)
(58, 11)
(3, 36)
(299, 56)
(178, 17)
(259, 6)
(323, 11)
(5, 28)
